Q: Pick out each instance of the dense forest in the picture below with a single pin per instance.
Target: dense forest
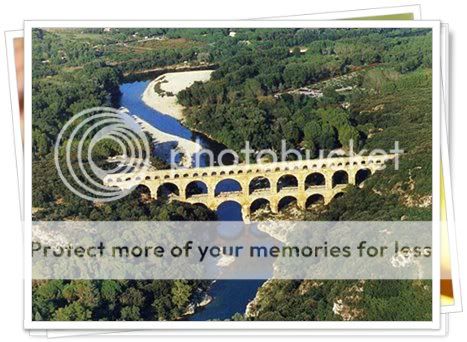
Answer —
(310, 300)
(113, 300)
(314, 88)
(250, 96)
(63, 86)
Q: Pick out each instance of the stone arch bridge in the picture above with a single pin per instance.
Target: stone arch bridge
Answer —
(306, 182)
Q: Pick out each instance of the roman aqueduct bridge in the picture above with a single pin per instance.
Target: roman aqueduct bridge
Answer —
(307, 182)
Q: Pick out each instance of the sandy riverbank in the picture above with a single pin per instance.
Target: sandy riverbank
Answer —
(169, 84)
(166, 142)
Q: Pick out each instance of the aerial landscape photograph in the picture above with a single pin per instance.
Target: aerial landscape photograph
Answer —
(229, 125)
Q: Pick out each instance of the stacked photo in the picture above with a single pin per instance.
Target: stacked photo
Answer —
(271, 176)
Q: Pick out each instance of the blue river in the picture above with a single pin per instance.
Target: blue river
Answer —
(229, 296)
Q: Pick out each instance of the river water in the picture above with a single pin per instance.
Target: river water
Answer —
(229, 296)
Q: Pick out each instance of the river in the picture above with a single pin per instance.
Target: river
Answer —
(229, 296)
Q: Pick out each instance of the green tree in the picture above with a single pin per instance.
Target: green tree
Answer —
(181, 292)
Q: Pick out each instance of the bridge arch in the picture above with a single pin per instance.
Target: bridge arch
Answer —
(200, 204)
(287, 181)
(196, 188)
(314, 200)
(286, 201)
(143, 191)
(259, 203)
(229, 210)
(362, 175)
(259, 183)
(340, 177)
(166, 190)
(227, 185)
(315, 179)
(338, 195)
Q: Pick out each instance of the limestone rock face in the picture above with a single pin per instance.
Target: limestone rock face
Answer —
(200, 299)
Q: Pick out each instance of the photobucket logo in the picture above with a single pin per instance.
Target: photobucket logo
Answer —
(89, 133)
(206, 157)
